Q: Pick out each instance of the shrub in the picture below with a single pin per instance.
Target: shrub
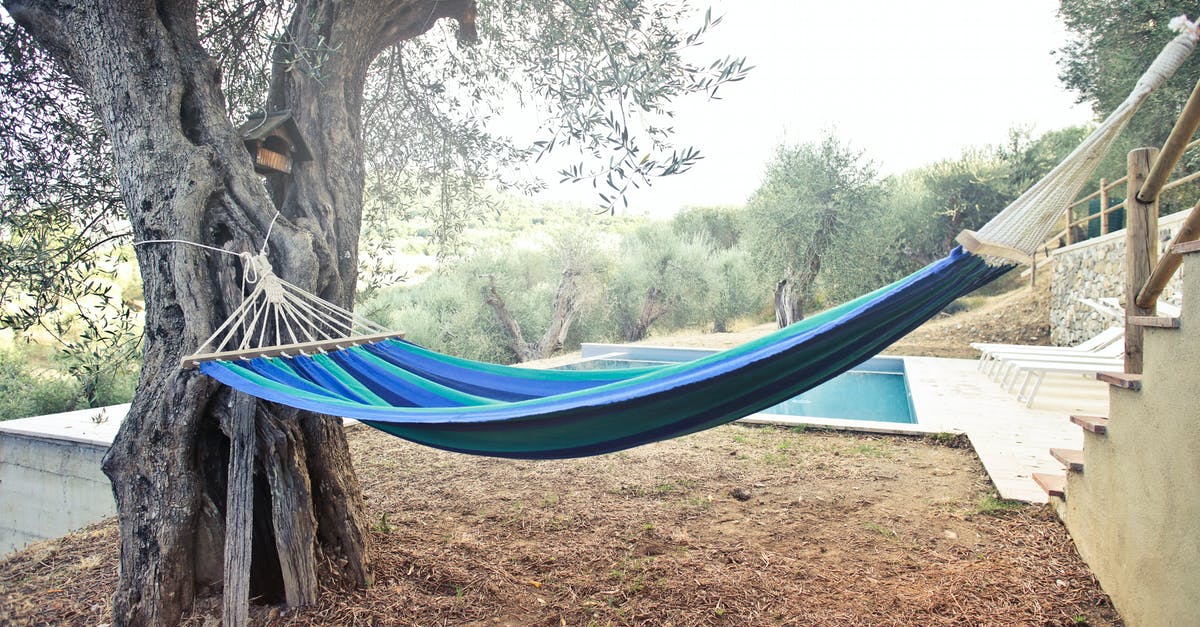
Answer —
(26, 393)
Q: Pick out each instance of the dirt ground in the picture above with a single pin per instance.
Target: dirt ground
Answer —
(738, 525)
(1016, 317)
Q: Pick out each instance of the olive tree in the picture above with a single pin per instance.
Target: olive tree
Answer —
(813, 200)
(388, 94)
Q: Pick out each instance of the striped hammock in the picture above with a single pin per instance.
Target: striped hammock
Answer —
(483, 409)
(286, 346)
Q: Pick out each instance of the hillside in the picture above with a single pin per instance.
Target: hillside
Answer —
(1016, 316)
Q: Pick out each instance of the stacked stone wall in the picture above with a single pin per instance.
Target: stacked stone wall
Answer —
(1093, 270)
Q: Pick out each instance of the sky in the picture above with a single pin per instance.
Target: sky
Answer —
(908, 82)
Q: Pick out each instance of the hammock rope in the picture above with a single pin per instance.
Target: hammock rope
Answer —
(280, 318)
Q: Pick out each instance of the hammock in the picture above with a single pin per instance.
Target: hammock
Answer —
(337, 363)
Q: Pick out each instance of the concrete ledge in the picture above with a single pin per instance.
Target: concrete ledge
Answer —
(86, 426)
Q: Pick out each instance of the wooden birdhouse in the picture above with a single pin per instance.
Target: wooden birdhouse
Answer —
(275, 143)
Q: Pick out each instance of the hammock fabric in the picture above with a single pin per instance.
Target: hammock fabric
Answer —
(469, 407)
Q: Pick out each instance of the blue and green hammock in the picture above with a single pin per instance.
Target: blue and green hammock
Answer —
(485, 409)
(461, 405)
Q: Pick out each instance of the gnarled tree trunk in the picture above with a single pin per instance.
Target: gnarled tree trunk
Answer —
(185, 175)
(562, 315)
(789, 303)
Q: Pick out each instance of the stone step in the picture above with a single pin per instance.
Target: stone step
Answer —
(1054, 485)
(1070, 458)
(1095, 424)
(1161, 322)
(1187, 247)
(1121, 380)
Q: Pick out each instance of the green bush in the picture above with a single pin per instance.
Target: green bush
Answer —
(26, 393)
(624, 285)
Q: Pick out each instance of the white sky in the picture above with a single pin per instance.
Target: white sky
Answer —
(909, 82)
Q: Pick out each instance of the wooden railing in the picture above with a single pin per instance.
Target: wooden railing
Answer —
(1169, 263)
(1178, 143)
(1069, 234)
(1146, 275)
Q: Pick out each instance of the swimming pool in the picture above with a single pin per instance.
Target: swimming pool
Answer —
(876, 390)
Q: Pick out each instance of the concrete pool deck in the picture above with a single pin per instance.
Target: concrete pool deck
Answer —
(1012, 440)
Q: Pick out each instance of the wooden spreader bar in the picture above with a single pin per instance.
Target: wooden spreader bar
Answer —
(971, 242)
(320, 346)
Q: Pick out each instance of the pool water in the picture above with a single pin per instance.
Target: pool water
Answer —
(854, 395)
(876, 390)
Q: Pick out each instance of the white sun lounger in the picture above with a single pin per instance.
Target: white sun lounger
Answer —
(1035, 372)
(993, 353)
(1001, 364)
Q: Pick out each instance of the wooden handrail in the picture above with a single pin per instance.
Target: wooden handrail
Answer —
(1168, 264)
(1094, 216)
(1105, 187)
(1177, 142)
(1183, 180)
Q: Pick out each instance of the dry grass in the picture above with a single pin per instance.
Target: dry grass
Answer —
(738, 525)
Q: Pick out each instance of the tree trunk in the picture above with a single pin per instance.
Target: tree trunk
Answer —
(654, 306)
(516, 337)
(185, 175)
(562, 315)
(789, 303)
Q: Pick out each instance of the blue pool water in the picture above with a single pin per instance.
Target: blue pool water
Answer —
(876, 390)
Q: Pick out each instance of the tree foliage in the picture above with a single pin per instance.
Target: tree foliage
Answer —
(723, 226)
(815, 199)
(625, 283)
(1112, 44)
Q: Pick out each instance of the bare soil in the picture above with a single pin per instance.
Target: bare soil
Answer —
(738, 525)
(1016, 317)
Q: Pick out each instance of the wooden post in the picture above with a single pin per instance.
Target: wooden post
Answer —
(1104, 228)
(1141, 251)
(1070, 231)
(239, 512)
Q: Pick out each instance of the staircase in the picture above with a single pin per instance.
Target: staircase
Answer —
(1131, 497)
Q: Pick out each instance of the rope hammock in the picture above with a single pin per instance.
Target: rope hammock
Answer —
(287, 346)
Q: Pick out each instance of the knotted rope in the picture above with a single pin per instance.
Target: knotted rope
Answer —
(277, 313)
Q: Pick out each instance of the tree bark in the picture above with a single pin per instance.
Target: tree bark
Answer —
(516, 338)
(654, 306)
(789, 303)
(562, 315)
(185, 175)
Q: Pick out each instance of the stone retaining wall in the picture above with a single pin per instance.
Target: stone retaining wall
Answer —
(1095, 269)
